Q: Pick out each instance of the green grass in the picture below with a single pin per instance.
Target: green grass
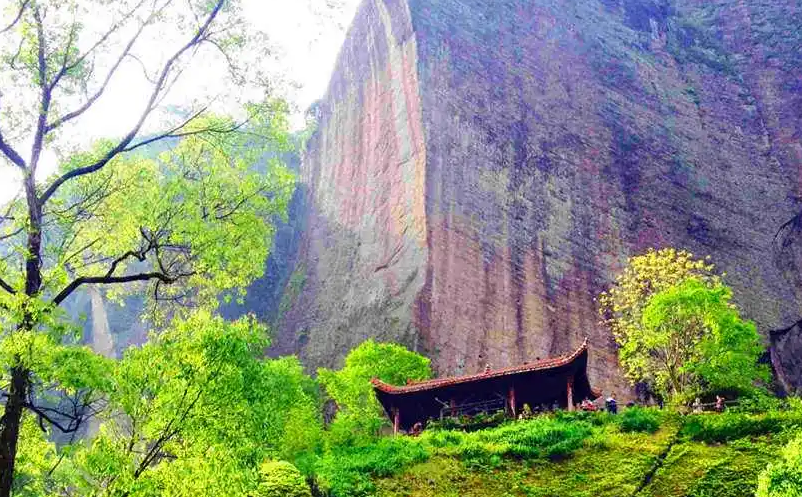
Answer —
(351, 471)
(719, 428)
(694, 469)
(570, 455)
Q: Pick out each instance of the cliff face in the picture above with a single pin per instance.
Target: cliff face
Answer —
(482, 170)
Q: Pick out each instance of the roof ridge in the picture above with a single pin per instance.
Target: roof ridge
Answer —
(450, 380)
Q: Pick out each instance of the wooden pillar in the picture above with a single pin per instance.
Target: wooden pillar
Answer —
(570, 392)
(453, 407)
(511, 402)
(396, 420)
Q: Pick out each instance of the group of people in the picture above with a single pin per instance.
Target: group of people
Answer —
(719, 405)
(610, 404)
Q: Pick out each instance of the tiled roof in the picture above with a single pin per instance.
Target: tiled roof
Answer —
(441, 382)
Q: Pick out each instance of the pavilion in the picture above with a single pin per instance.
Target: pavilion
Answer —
(561, 380)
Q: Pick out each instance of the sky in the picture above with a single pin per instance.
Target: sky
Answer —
(305, 38)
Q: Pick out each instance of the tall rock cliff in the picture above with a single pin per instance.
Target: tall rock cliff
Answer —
(482, 170)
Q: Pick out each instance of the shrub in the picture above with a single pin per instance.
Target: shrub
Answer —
(347, 471)
(281, 479)
(759, 402)
(783, 479)
(351, 387)
(538, 438)
(717, 428)
(639, 419)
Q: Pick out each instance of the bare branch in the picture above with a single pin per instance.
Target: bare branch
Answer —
(41, 122)
(21, 11)
(177, 133)
(154, 96)
(65, 68)
(5, 286)
(12, 234)
(80, 409)
(144, 69)
(11, 154)
(111, 280)
(92, 99)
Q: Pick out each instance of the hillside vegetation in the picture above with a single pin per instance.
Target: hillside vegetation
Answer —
(641, 452)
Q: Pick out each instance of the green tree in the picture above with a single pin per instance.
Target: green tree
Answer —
(784, 478)
(181, 229)
(195, 411)
(359, 414)
(692, 340)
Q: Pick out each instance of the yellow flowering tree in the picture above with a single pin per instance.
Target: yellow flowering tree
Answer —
(676, 328)
(621, 307)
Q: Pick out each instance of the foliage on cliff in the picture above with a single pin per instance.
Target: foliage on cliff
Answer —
(621, 307)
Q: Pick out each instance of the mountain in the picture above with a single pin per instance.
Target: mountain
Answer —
(482, 170)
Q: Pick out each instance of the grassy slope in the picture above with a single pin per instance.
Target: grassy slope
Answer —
(611, 464)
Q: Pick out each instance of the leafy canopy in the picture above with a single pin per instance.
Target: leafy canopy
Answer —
(693, 340)
(194, 411)
(359, 412)
(678, 330)
(644, 275)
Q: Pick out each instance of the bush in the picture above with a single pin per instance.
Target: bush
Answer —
(640, 419)
(539, 438)
(718, 428)
(783, 479)
(759, 402)
(347, 471)
(542, 437)
(281, 479)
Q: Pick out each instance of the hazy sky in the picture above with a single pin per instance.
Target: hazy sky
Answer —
(306, 36)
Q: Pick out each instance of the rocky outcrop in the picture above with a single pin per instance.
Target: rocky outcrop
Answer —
(483, 169)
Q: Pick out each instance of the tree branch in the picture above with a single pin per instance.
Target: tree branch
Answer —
(91, 100)
(112, 280)
(41, 122)
(71, 428)
(21, 11)
(10, 153)
(5, 286)
(120, 147)
(67, 67)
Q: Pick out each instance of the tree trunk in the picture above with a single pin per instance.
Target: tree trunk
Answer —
(9, 433)
(20, 379)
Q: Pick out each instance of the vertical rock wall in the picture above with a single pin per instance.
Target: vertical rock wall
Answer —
(363, 252)
(483, 169)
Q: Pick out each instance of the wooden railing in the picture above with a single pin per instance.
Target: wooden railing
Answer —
(472, 409)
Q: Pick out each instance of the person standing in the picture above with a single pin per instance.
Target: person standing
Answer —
(612, 405)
